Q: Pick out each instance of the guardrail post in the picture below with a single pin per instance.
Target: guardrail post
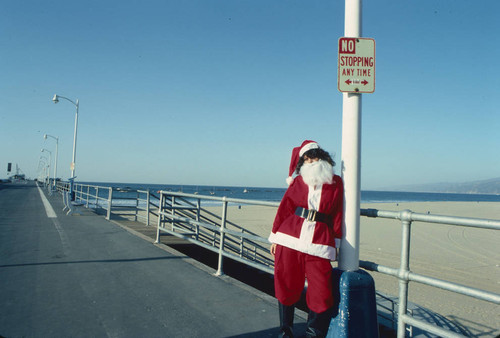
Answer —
(173, 213)
(404, 268)
(136, 205)
(220, 269)
(75, 192)
(79, 192)
(198, 210)
(88, 191)
(96, 197)
(110, 203)
(147, 208)
(242, 243)
(160, 217)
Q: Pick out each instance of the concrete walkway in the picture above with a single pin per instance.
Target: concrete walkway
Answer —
(83, 276)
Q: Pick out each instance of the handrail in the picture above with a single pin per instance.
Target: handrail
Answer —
(190, 221)
(436, 282)
(89, 195)
(221, 199)
(439, 219)
(144, 204)
(168, 214)
(62, 186)
(405, 275)
(181, 215)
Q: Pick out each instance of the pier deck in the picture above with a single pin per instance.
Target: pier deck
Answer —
(85, 276)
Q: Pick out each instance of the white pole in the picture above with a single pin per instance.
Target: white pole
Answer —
(56, 99)
(57, 154)
(50, 162)
(351, 154)
(73, 164)
(55, 164)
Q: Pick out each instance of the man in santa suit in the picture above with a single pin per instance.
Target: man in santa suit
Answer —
(307, 226)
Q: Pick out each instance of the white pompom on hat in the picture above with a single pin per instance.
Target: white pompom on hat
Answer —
(297, 153)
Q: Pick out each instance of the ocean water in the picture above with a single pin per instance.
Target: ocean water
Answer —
(276, 194)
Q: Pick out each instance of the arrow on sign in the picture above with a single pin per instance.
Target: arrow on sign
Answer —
(364, 82)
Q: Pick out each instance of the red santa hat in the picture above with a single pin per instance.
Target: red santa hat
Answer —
(297, 153)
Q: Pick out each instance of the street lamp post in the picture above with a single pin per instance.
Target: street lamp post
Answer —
(72, 178)
(57, 151)
(46, 168)
(41, 167)
(50, 161)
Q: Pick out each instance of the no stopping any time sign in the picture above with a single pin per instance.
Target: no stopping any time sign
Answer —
(356, 65)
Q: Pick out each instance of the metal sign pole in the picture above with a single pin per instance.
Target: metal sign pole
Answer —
(356, 306)
(351, 154)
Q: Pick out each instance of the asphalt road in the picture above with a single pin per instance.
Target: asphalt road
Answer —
(83, 276)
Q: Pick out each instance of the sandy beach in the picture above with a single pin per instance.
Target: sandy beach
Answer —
(467, 256)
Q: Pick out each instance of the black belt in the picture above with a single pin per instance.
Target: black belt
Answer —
(312, 215)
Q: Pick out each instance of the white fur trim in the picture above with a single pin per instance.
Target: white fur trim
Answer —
(289, 180)
(319, 250)
(304, 242)
(309, 146)
(314, 197)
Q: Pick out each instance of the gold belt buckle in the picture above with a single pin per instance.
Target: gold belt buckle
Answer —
(311, 215)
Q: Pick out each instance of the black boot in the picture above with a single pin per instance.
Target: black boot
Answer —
(286, 320)
(318, 323)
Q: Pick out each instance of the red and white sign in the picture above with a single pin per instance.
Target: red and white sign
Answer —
(356, 65)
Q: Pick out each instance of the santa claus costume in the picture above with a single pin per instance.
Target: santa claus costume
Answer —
(307, 226)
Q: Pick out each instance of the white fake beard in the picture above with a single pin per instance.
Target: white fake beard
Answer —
(317, 173)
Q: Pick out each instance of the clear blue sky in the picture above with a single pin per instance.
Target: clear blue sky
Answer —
(218, 92)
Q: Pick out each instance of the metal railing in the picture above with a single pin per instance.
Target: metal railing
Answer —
(182, 215)
(62, 186)
(404, 275)
(132, 204)
(94, 196)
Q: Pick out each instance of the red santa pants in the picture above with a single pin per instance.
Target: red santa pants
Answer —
(291, 268)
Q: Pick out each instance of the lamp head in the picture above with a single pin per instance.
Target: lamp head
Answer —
(55, 98)
(45, 136)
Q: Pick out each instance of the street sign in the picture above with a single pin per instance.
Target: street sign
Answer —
(356, 65)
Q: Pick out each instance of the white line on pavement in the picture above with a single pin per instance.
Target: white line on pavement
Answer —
(51, 214)
(48, 208)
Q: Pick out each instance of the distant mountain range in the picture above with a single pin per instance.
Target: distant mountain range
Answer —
(490, 186)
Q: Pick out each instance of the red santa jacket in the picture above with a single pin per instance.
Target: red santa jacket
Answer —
(314, 238)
